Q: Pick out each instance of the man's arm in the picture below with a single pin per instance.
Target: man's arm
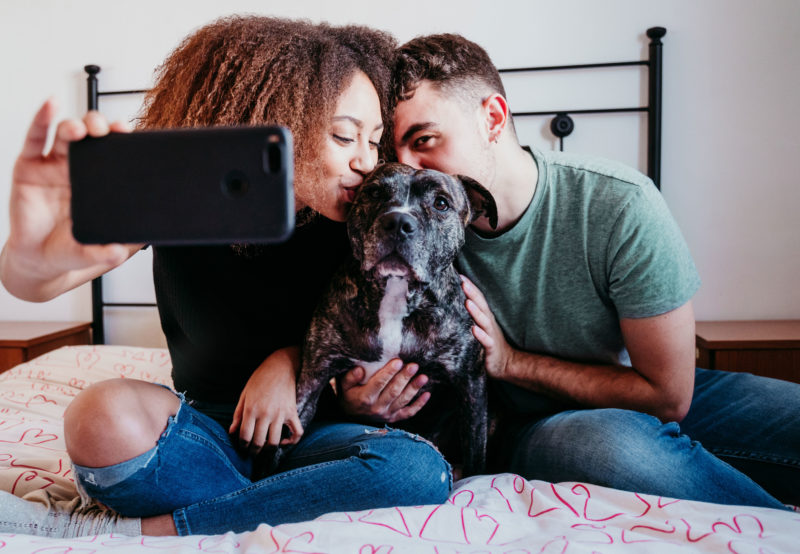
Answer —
(660, 382)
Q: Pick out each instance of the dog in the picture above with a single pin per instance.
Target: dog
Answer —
(399, 296)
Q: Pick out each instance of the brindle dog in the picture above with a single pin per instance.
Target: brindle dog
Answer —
(399, 296)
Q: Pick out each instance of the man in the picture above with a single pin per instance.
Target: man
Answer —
(582, 300)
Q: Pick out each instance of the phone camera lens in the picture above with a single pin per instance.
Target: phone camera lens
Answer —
(273, 158)
(235, 184)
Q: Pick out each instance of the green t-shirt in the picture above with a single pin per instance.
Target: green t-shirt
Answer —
(596, 244)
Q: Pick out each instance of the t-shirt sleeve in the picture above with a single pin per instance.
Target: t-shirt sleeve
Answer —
(650, 268)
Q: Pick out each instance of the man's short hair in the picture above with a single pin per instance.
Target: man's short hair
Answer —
(449, 61)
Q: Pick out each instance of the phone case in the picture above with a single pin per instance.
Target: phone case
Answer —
(216, 185)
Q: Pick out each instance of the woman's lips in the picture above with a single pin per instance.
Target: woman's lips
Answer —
(350, 193)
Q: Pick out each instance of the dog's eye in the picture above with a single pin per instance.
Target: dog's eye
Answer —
(441, 204)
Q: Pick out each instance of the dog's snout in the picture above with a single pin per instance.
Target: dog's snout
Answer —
(399, 224)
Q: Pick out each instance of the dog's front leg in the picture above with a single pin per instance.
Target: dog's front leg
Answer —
(474, 426)
(310, 385)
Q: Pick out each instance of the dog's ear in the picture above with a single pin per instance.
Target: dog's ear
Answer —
(481, 200)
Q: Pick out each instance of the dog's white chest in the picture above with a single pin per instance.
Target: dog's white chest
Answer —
(393, 308)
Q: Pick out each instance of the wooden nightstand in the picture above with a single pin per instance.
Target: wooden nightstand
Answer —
(769, 348)
(21, 341)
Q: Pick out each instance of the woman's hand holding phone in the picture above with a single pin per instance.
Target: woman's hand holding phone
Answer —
(41, 258)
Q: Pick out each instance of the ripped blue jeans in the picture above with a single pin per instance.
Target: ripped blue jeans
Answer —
(196, 474)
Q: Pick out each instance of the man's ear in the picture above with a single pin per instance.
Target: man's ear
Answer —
(482, 203)
(496, 112)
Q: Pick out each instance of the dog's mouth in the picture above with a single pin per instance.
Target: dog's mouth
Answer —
(393, 265)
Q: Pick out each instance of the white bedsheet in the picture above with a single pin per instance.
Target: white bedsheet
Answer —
(491, 513)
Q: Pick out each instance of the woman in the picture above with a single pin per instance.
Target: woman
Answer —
(233, 315)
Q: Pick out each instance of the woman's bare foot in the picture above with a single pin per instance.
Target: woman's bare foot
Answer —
(159, 526)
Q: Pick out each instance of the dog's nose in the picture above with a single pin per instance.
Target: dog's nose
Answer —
(399, 224)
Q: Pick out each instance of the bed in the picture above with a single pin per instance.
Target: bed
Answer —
(488, 513)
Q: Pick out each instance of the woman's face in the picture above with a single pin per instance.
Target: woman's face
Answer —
(350, 148)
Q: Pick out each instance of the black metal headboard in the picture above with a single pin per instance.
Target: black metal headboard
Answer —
(561, 126)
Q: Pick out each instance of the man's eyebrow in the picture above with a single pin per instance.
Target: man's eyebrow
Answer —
(414, 129)
(355, 121)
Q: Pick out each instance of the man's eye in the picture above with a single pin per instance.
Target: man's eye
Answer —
(441, 204)
(423, 141)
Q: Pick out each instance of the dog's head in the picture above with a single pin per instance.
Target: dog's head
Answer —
(410, 223)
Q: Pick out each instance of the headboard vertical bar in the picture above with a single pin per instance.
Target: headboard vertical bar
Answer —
(91, 86)
(654, 105)
(98, 325)
(98, 331)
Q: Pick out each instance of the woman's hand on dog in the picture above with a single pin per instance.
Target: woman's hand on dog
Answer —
(388, 396)
(268, 402)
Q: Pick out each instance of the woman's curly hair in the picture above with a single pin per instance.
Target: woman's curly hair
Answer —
(254, 70)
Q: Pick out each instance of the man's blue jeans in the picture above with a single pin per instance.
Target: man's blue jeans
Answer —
(196, 474)
(739, 444)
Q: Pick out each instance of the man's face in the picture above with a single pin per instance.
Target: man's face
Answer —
(434, 130)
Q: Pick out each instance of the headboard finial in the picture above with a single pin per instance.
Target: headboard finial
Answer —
(91, 69)
(655, 34)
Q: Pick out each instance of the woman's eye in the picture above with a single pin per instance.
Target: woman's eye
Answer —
(344, 140)
(374, 144)
(441, 204)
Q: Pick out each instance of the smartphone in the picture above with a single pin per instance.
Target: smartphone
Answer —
(212, 185)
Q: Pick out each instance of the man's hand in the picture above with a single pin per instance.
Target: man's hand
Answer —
(388, 395)
(499, 353)
(268, 402)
